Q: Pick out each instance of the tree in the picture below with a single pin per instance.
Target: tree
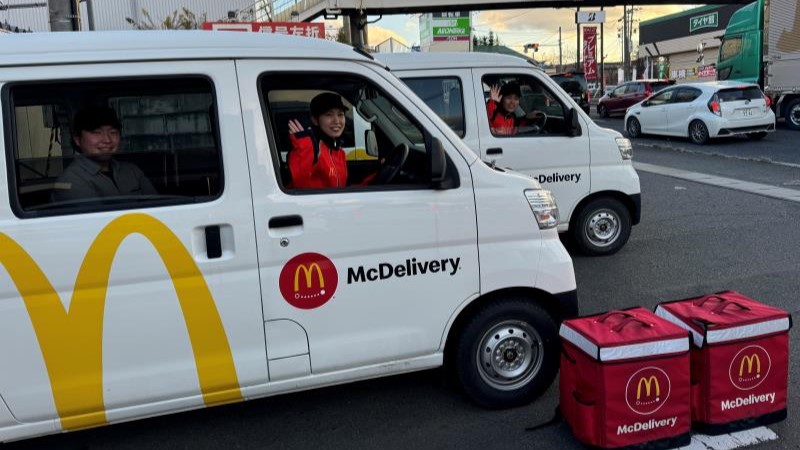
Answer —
(184, 19)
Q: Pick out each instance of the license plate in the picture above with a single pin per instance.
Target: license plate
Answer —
(748, 112)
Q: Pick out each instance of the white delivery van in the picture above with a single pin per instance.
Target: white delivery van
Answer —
(588, 168)
(227, 284)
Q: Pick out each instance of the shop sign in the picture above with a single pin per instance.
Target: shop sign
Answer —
(710, 20)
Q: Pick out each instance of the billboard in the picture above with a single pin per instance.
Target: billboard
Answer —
(450, 26)
(590, 53)
(307, 29)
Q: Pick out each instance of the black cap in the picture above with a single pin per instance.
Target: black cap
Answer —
(510, 88)
(94, 117)
(325, 102)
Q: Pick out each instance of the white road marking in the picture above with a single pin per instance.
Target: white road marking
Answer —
(731, 441)
(792, 195)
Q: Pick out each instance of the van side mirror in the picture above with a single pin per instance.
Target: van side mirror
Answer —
(371, 143)
(439, 178)
(573, 123)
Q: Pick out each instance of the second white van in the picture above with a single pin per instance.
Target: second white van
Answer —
(587, 167)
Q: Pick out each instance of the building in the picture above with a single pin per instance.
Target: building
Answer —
(113, 14)
(668, 45)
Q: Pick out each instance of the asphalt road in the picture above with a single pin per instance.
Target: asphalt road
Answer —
(693, 239)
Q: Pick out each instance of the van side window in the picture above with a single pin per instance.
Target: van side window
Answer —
(445, 96)
(100, 145)
(336, 132)
(522, 106)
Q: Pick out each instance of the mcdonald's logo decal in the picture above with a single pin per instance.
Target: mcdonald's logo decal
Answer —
(72, 341)
(647, 390)
(750, 367)
(308, 280)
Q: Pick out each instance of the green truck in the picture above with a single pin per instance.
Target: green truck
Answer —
(762, 45)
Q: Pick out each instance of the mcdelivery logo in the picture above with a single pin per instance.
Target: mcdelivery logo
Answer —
(647, 390)
(308, 280)
(750, 367)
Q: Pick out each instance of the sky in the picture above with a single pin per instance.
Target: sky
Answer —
(520, 26)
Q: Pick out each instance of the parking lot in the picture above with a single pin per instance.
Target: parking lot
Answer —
(694, 238)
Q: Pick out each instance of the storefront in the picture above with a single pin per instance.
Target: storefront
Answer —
(668, 46)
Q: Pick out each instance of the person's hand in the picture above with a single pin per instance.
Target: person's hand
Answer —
(295, 126)
(536, 114)
(495, 93)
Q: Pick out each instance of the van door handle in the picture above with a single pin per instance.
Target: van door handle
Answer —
(494, 151)
(293, 220)
(213, 242)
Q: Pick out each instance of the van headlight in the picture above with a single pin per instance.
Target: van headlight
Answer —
(544, 207)
(625, 147)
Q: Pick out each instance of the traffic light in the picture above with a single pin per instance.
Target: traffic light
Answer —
(534, 46)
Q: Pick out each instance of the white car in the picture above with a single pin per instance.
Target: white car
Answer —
(701, 111)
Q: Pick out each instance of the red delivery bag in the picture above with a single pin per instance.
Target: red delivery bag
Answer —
(740, 360)
(625, 380)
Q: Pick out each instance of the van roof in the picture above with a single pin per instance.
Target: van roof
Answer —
(436, 60)
(115, 46)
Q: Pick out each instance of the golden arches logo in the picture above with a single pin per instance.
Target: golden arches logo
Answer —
(751, 360)
(308, 271)
(72, 341)
(647, 382)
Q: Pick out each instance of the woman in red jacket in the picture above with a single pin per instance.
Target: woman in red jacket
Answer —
(317, 159)
(502, 107)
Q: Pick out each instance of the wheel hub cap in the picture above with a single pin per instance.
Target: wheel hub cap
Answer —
(509, 355)
(603, 228)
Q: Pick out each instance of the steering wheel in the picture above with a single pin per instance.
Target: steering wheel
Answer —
(541, 121)
(391, 164)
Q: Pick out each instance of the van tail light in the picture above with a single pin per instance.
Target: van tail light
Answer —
(713, 105)
(768, 100)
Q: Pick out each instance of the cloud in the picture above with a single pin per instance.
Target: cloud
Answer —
(376, 35)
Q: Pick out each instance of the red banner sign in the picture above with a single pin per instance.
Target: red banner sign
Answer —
(308, 29)
(590, 53)
(707, 71)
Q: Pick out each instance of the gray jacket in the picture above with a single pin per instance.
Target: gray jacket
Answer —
(83, 179)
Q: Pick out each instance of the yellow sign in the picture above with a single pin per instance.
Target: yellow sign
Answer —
(750, 360)
(308, 271)
(647, 382)
(72, 341)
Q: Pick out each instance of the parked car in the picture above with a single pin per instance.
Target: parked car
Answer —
(702, 111)
(574, 83)
(627, 94)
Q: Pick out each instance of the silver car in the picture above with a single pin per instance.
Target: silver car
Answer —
(701, 111)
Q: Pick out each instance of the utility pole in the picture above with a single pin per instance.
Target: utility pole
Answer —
(64, 15)
(560, 59)
(578, 44)
(625, 43)
(602, 59)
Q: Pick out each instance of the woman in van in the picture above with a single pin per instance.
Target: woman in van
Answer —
(501, 109)
(317, 159)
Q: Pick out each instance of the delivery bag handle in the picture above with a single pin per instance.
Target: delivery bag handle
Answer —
(610, 314)
(629, 320)
(722, 305)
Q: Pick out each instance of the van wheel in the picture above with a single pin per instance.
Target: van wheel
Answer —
(634, 128)
(698, 132)
(602, 227)
(507, 355)
(602, 111)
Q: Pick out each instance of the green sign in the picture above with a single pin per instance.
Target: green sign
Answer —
(710, 20)
(445, 28)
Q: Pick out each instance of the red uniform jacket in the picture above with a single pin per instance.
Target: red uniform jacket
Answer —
(329, 169)
(502, 124)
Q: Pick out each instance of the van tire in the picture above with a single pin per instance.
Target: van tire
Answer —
(634, 128)
(602, 227)
(507, 354)
(698, 132)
